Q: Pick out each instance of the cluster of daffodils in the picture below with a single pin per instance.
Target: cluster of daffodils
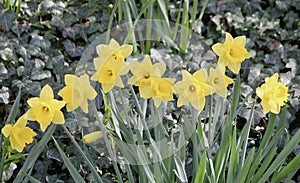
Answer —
(110, 65)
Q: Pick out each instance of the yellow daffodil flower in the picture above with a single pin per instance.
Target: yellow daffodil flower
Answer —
(77, 92)
(232, 52)
(110, 65)
(193, 89)
(219, 81)
(92, 137)
(147, 77)
(114, 50)
(142, 72)
(162, 90)
(45, 109)
(273, 94)
(19, 135)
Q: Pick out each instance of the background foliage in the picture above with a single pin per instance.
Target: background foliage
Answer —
(46, 39)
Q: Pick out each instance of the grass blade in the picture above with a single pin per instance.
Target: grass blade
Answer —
(73, 171)
(32, 179)
(200, 174)
(281, 156)
(89, 163)
(35, 152)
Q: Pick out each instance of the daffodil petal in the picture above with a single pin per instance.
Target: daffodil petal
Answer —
(69, 79)
(46, 92)
(241, 40)
(6, 130)
(107, 87)
(58, 117)
(29, 115)
(33, 101)
(21, 122)
(235, 67)
(219, 49)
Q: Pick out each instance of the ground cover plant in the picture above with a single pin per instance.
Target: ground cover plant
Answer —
(149, 91)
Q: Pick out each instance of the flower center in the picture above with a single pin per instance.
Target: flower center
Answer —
(117, 58)
(110, 73)
(216, 80)
(192, 88)
(147, 75)
(45, 109)
(236, 53)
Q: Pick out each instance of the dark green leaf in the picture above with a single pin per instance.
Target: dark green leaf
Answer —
(6, 19)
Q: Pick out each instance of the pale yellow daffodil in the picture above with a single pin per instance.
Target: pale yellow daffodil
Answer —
(162, 89)
(219, 81)
(273, 94)
(110, 64)
(114, 50)
(77, 92)
(143, 71)
(19, 135)
(45, 109)
(193, 89)
(232, 52)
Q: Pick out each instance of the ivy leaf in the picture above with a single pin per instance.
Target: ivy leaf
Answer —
(6, 19)
(72, 50)
(4, 95)
(3, 72)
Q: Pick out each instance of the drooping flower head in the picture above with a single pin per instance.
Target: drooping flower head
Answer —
(45, 109)
(19, 135)
(193, 89)
(232, 52)
(77, 92)
(219, 81)
(273, 94)
(110, 64)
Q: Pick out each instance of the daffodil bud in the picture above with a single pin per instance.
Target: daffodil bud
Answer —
(92, 137)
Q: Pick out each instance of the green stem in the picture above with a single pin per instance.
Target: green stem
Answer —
(90, 164)
(2, 156)
(107, 143)
(138, 106)
(195, 142)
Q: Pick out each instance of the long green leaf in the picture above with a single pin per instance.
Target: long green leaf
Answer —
(11, 117)
(34, 153)
(180, 171)
(281, 156)
(32, 179)
(234, 157)
(15, 109)
(242, 174)
(73, 171)
(145, 167)
(201, 169)
(89, 163)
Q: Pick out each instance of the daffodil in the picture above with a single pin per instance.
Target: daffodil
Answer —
(219, 81)
(110, 64)
(193, 89)
(19, 135)
(162, 89)
(273, 94)
(114, 50)
(92, 137)
(232, 52)
(142, 72)
(45, 109)
(77, 92)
